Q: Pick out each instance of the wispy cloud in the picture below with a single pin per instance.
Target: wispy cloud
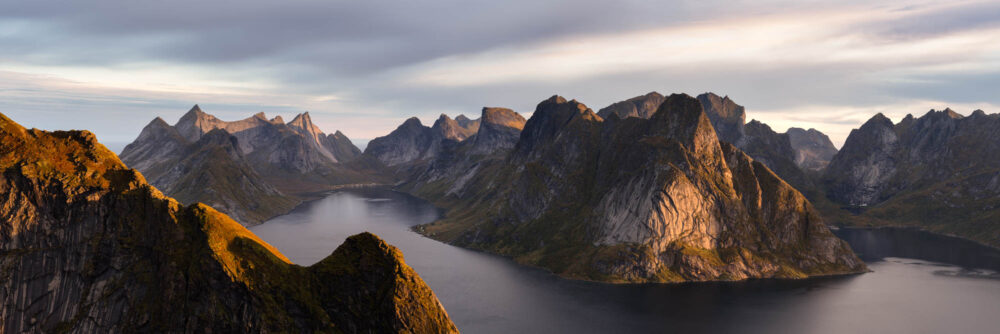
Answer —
(363, 67)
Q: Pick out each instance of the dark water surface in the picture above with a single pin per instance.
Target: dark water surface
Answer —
(921, 283)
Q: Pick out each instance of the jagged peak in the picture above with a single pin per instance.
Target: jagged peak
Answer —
(462, 118)
(194, 115)
(339, 134)
(947, 112)
(277, 120)
(301, 119)
(260, 115)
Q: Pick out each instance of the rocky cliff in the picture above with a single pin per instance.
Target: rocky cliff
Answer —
(638, 200)
(86, 245)
(940, 171)
(252, 169)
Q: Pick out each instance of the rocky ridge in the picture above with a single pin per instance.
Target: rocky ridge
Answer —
(86, 245)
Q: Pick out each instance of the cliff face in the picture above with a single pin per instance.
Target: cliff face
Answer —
(87, 246)
(223, 164)
(940, 171)
(639, 200)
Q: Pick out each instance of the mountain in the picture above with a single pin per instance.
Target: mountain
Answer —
(452, 169)
(813, 149)
(252, 169)
(86, 245)
(775, 150)
(940, 172)
(412, 142)
(637, 200)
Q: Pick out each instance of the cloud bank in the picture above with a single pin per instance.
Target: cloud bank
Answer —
(363, 67)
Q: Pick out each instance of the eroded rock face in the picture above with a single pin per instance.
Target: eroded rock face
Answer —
(640, 200)
(86, 246)
(938, 171)
(205, 159)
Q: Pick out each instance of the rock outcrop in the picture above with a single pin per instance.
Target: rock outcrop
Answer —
(940, 172)
(638, 200)
(252, 169)
(87, 246)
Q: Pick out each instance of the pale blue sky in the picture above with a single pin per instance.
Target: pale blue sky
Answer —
(364, 66)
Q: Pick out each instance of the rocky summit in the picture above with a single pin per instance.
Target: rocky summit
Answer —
(87, 246)
(252, 169)
(940, 172)
(630, 199)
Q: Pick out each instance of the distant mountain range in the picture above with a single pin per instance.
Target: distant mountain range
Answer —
(87, 246)
(940, 172)
(587, 182)
(252, 169)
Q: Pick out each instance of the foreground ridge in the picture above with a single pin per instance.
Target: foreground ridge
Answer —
(86, 245)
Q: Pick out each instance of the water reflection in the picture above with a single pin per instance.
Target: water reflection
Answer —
(910, 290)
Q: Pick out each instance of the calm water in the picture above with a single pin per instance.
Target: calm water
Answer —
(921, 283)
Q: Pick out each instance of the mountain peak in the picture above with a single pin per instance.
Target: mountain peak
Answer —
(260, 115)
(681, 117)
(301, 119)
(411, 122)
(277, 120)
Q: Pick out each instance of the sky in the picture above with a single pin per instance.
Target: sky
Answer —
(363, 67)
